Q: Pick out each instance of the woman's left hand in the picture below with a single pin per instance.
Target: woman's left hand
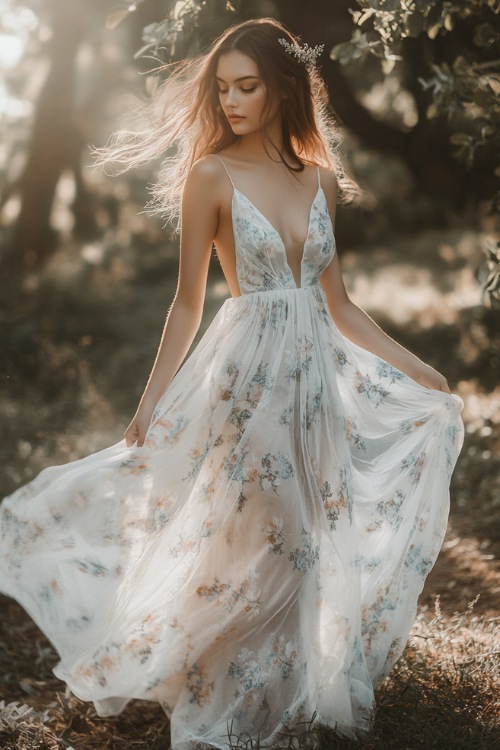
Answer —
(431, 378)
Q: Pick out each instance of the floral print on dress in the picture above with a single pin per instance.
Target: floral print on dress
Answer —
(248, 674)
(376, 617)
(313, 409)
(275, 536)
(353, 435)
(199, 688)
(454, 439)
(375, 392)
(276, 318)
(339, 502)
(300, 361)
(385, 370)
(276, 467)
(340, 355)
(290, 481)
(305, 557)
(94, 567)
(242, 595)
(410, 425)
(171, 430)
(135, 465)
(415, 464)
(388, 512)
(417, 562)
(283, 656)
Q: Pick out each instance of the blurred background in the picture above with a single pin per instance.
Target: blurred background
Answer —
(87, 277)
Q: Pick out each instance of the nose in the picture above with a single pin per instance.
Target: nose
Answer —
(231, 98)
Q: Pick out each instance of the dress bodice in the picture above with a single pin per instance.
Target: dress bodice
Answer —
(261, 257)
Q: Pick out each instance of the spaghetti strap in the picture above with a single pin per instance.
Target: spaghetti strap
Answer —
(227, 170)
(319, 178)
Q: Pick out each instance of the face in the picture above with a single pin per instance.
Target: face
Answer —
(242, 92)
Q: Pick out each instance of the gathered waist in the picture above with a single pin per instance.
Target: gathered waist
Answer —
(284, 292)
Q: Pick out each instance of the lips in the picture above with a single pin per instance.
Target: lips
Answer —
(235, 118)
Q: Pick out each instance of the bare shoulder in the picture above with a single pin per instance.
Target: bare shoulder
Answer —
(207, 169)
(207, 174)
(207, 182)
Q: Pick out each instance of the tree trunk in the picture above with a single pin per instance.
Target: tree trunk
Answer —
(54, 139)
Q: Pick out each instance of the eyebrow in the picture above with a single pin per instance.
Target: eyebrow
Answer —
(241, 78)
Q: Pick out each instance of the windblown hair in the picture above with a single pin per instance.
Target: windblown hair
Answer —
(184, 116)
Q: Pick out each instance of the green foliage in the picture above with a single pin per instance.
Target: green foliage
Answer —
(489, 273)
(163, 36)
(177, 35)
(462, 92)
(386, 23)
(465, 92)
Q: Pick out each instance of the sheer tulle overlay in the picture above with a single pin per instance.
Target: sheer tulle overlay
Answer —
(260, 558)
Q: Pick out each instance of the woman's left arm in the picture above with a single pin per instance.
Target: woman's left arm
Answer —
(359, 328)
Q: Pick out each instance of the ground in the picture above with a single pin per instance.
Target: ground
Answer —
(79, 340)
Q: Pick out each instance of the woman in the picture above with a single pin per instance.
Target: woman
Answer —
(251, 554)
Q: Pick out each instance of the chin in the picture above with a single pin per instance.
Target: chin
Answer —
(242, 128)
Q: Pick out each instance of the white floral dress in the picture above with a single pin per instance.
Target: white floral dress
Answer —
(260, 558)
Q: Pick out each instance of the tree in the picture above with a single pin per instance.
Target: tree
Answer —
(451, 51)
(55, 143)
(57, 137)
(447, 56)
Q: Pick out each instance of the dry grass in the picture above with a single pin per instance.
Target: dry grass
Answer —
(444, 693)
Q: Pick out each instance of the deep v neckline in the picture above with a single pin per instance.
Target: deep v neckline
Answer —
(278, 235)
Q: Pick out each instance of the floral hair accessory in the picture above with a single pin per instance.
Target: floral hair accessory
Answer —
(306, 54)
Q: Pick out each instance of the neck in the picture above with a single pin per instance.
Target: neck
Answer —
(257, 147)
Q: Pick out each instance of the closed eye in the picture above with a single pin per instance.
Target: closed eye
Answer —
(245, 91)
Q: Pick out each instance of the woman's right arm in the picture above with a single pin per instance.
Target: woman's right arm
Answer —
(199, 219)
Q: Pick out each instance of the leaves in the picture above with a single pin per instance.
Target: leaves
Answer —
(464, 92)
(396, 20)
(489, 273)
(459, 139)
(158, 35)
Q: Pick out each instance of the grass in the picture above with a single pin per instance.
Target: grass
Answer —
(444, 693)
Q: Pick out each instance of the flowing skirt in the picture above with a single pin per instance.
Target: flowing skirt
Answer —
(259, 559)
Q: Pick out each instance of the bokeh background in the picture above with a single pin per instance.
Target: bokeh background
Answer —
(86, 279)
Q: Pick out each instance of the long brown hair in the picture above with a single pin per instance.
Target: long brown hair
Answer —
(184, 114)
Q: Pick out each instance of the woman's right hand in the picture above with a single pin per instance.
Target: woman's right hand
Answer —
(137, 429)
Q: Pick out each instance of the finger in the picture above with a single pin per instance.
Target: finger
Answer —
(130, 436)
